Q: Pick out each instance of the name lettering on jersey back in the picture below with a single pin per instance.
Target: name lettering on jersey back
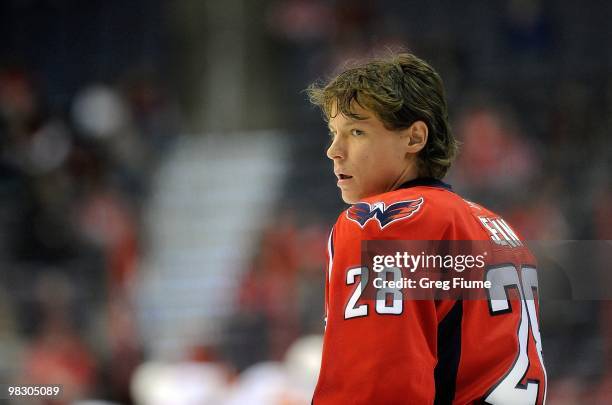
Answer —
(500, 232)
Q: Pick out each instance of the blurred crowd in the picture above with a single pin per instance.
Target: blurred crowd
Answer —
(531, 101)
(73, 185)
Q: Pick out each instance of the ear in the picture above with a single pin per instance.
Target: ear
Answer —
(415, 136)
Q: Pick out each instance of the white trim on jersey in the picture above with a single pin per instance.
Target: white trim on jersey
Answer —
(330, 254)
(330, 263)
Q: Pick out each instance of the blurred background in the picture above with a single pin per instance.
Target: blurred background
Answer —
(165, 197)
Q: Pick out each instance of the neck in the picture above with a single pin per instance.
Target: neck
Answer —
(410, 172)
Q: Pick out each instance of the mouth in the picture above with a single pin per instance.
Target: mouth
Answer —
(343, 178)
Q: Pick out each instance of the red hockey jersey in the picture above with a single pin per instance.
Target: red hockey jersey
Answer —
(451, 351)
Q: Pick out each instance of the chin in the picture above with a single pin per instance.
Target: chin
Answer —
(349, 199)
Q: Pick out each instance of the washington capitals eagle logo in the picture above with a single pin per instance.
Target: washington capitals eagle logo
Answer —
(363, 212)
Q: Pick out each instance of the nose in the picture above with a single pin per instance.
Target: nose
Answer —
(336, 149)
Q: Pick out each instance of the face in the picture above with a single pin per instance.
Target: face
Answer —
(368, 158)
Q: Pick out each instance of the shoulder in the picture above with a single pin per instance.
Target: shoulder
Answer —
(423, 209)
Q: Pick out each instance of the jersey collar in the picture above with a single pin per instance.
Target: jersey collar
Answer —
(426, 181)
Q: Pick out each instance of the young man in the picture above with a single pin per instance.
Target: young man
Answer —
(391, 145)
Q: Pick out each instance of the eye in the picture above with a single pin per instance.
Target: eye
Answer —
(357, 132)
(332, 135)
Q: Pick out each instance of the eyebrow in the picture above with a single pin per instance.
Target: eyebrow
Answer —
(353, 121)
